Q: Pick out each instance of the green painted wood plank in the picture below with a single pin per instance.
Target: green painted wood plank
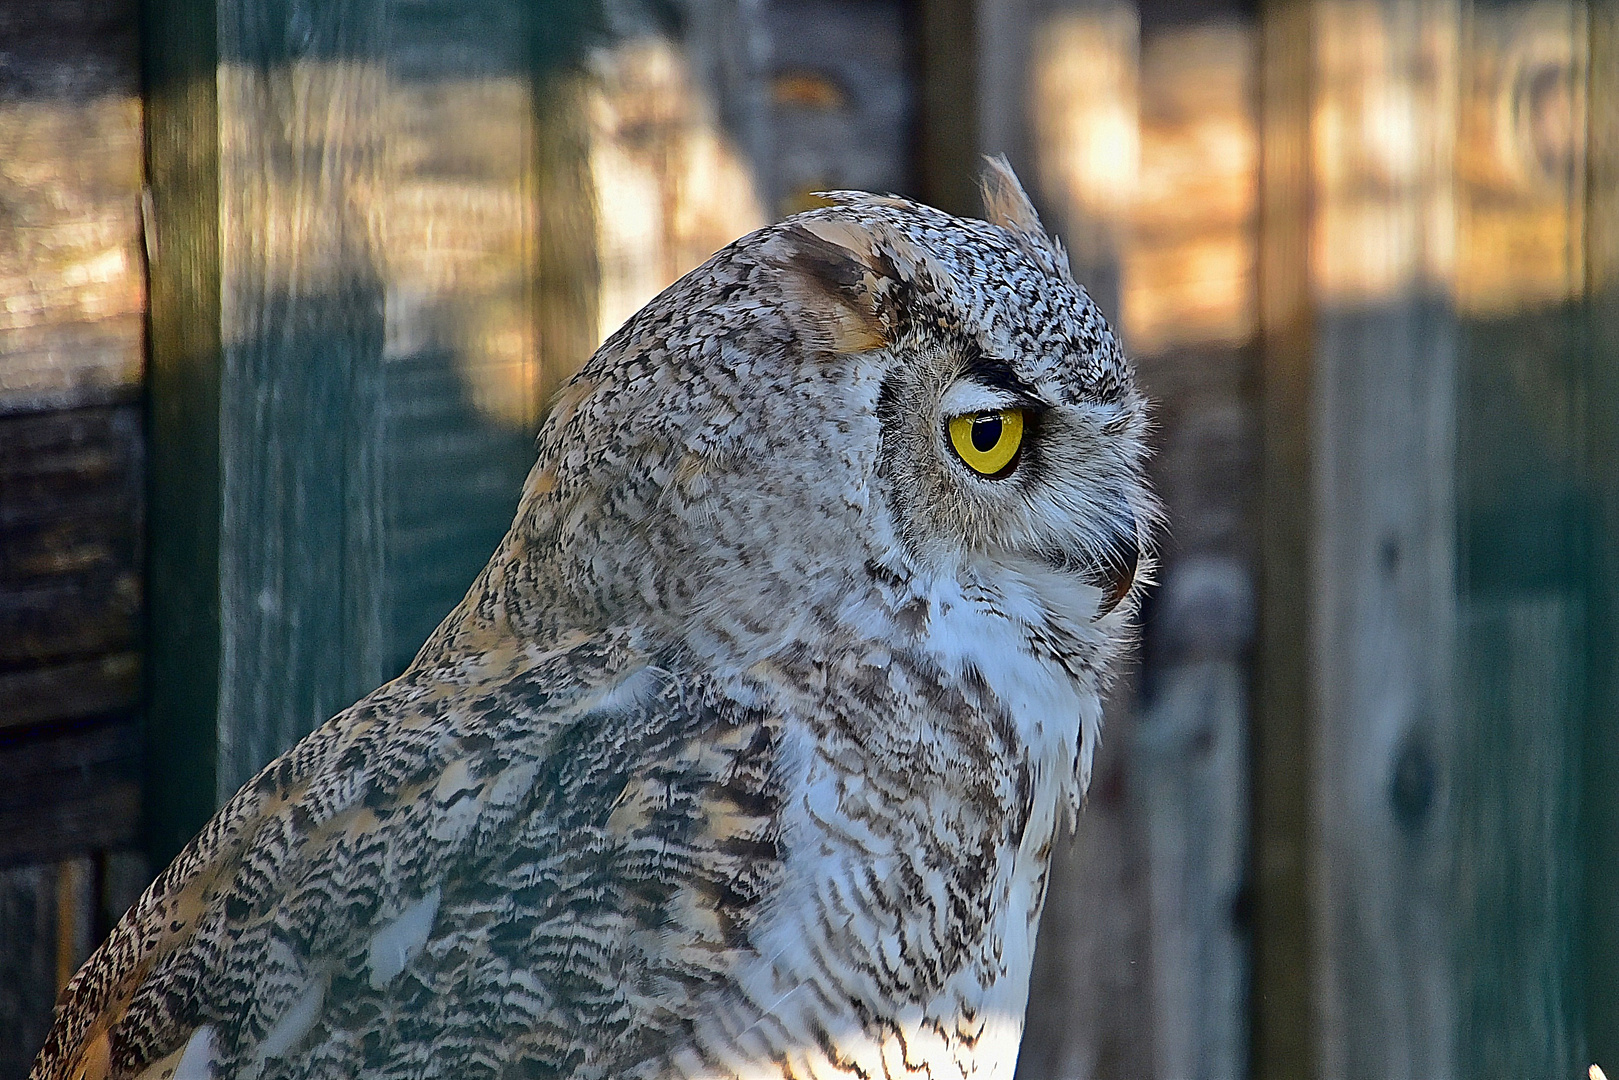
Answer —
(183, 401)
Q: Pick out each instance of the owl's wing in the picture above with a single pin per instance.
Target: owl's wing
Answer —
(536, 871)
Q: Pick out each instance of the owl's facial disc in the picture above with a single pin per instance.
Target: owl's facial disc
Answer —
(1013, 473)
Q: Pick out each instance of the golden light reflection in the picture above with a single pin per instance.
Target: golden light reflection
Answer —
(1189, 260)
(670, 189)
(443, 202)
(1446, 159)
(1383, 128)
(421, 186)
(72, 283)
(1149, 148)
(1521, 158)
(454, 220)
(1083, 108)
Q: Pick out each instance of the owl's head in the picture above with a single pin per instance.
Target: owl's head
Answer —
(874, 390)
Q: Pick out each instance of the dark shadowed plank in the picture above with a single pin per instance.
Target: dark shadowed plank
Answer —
(1283, 1013)
(1599, 806)
(183, 387)
(69, 789)
(947, 163)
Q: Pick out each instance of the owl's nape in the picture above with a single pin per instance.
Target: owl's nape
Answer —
(743, 755)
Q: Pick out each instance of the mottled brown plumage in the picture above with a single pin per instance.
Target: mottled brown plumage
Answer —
(743, 755)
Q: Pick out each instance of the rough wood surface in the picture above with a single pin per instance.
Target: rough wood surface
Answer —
(70, 563)
(51, 916)
(1599, 810)
(1282, 1011)
(302, 327)
(71, 281)
(1382, 517)
(70, 790)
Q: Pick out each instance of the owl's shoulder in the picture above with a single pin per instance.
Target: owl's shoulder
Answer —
(470, 807)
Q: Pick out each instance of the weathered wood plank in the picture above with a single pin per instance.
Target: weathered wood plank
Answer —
(77, 688)
(302, 329)
(1090, 992)
(948, 162)
(1382, 511)
(1599, 809)
(51, 915)
(1282, 997)
(180, 47)
(71, 504)
(71, 284)
(69, 790)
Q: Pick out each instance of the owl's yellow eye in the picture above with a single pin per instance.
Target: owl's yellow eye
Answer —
(988, 442)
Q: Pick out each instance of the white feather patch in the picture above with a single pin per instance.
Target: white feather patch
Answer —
(396, 944)
(295, 1022)
(197, 1060)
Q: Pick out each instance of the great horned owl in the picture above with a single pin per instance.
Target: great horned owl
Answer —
(743, 755)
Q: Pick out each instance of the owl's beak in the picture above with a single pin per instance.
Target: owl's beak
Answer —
(1117, 571)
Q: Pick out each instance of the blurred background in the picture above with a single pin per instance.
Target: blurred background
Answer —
(285, 286)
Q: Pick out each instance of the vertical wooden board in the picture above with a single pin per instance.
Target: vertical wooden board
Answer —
(1526, 511)
(183, 395)
(1191, 786)
(300, 91)
(1282, 996)
(461, 375)
(1525, 587)
(1090, 991)
(1189, 737)
(27, 963)
(947, 116)
(1599, 800)
(1383, 595)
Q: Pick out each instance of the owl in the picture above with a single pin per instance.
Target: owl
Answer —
(743, 755)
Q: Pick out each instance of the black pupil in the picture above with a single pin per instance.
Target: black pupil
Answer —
(986, 432)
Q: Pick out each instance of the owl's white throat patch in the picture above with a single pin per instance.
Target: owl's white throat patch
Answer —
(1030, 632)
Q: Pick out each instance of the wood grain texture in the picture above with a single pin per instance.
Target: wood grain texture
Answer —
(1599, 810)
(370, 349)
(1528, 582)
(301, 324)
(1384, 548)
(183, 388)
(70, 231)
(70, 790)
(1283, 1009)
(71, 507)
(51, 914)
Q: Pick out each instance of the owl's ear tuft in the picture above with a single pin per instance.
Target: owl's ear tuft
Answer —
(841, 283)
(1006, 204)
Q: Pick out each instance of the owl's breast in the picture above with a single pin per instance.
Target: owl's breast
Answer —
(916, 837)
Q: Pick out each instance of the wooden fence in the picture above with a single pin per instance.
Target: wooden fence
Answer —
(285, 285)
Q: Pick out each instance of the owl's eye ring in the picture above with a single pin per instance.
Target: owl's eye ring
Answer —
(988, 442)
